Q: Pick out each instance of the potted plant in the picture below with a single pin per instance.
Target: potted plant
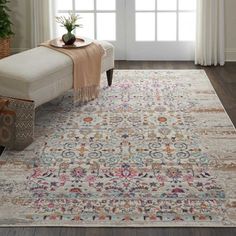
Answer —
(70, 23)
(5, 29)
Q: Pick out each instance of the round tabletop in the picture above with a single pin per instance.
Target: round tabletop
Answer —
(79, 43)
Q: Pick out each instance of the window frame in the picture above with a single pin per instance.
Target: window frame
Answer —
(156, 11)
(95, 11)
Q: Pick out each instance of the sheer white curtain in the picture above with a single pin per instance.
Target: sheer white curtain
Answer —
(210, 39)
(41, 21)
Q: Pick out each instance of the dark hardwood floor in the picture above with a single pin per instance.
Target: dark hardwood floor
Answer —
(224, 81)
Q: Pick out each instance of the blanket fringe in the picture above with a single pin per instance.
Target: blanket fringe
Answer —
(86, 94)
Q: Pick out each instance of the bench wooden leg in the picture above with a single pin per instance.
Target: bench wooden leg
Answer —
(1, 150)
(109, 77)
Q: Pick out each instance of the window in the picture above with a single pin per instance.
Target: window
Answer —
(165, 20)
(138, 29)
(98, 17)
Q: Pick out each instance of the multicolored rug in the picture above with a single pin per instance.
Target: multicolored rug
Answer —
(156, 149)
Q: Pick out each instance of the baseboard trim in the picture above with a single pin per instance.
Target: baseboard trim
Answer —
(230, 54)
(17, 50)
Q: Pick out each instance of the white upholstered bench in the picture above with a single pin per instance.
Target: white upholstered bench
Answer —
(42, 74)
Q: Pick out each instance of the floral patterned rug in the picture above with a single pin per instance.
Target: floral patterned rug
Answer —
(156, 149)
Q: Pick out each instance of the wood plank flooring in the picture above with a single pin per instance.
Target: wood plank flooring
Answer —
(117, 231)
(223, 80)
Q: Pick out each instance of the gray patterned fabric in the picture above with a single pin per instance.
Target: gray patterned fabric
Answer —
(7, 124)
(17, 122)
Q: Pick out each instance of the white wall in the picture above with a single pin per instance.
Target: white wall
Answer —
(22, 39)
(20, 17)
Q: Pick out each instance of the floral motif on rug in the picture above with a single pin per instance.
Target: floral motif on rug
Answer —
(155, 149)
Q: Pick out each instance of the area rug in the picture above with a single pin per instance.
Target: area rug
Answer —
(156, 149)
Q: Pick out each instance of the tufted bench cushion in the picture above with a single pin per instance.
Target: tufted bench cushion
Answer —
(42, 74)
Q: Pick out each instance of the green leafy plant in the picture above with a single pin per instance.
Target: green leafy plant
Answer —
(70, 22)
(5, 23)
